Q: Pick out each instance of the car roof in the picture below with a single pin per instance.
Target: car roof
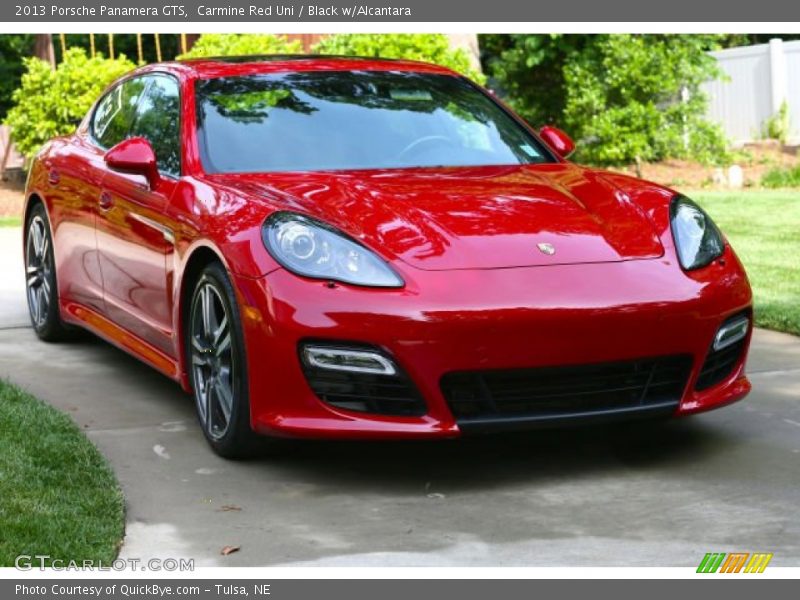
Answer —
(225, 66)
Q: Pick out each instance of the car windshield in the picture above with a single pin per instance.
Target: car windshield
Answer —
(331, 120)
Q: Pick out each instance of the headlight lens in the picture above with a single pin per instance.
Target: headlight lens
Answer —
(311, 248)
(697, 238)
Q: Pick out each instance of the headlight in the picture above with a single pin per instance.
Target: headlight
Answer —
(310, 248)
(697, 239)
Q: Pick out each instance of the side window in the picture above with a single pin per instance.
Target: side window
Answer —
(114, 114)
(158, 121)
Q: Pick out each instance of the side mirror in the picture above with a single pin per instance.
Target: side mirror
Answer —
(134, 155)
(559, 141)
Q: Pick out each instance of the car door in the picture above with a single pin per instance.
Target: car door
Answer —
(74, 177)
(134, 237)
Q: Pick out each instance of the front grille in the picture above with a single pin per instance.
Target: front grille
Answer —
(568, 392)
(394, 395)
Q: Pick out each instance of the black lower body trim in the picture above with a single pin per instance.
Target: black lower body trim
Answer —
(496, 424)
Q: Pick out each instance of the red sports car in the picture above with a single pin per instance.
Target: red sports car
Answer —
(355, 248)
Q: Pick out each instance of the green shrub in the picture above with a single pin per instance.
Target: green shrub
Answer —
(232, 44)
(619, 96)
(778, 126)
(433, 48)
(637, 98)
(50, 102)
(427, 47)
(781, 178)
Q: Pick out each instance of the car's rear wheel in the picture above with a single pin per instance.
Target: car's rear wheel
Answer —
(217, 366)
(41, 284)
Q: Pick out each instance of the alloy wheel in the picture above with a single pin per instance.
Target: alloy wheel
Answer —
(38, 271)
(212, 360)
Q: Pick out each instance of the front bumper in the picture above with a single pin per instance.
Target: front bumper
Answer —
(473, 320)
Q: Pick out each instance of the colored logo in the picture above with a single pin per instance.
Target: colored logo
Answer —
(734, 562)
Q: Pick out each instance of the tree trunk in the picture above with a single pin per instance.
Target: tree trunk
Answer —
(43, 48)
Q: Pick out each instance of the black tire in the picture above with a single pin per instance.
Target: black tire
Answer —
(218, 372)
(41, 282)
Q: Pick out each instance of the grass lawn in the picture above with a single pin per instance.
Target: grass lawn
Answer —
(10, 221)
(764, 229)
(58, 495)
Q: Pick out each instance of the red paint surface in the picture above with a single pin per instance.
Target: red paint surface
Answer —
(478, 294)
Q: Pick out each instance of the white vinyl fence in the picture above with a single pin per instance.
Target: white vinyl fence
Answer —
(759, 79)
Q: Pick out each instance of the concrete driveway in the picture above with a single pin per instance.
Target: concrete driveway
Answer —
(659, 496)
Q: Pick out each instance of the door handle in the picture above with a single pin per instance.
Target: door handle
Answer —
(105, 201)
(53, 177)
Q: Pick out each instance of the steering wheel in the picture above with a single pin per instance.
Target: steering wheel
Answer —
(427, 139)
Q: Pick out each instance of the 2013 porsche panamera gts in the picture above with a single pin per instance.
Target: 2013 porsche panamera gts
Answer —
(339, 247)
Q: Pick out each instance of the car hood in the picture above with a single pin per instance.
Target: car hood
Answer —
(469, 218)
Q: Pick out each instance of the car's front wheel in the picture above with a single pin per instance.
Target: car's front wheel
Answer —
(218, 370)
(41, 285)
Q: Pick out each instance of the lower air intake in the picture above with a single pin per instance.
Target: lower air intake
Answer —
(719, 364)
(507, 398)
(380, 394)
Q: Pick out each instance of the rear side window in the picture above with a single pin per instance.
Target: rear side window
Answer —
(114, 114)
(158, 121)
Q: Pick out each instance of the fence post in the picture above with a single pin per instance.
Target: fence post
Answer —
(777, 72)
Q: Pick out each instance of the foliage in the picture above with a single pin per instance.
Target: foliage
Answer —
(762, 228)
(778, 126)
(59, 495)
(12, 50)
(638, 98)
(15, 47)
(781, 178)
(620, 96)
(528, 71)
(251, 105)
(231, 44)
(52, 102)
(124, 43)
(428, 47)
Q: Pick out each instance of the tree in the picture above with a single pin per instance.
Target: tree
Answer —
(13, 49)
(124, 43)
(528, 71)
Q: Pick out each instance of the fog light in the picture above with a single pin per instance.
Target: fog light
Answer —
(731, 332)
(344, 359)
